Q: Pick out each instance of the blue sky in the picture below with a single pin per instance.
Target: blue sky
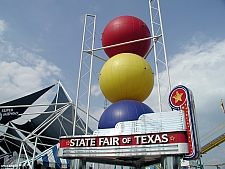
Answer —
(40, 42)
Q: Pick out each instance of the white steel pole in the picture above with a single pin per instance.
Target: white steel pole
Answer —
(155, 56)
(164, 47)
(78, 82)
(90, 78)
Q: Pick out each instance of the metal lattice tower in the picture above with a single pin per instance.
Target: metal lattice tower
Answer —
(85, 70)
(159, 49)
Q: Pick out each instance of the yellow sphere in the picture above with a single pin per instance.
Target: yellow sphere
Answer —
(126, 76)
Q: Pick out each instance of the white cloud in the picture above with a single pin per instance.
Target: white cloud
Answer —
(95, 90)
(23, 72)
(96, 112)
(81, 19)
(2, 27)
(200, 67)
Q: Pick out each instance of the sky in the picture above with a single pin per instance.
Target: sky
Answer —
(40, 43)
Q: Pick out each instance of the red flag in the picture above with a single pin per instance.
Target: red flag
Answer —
(222, 106)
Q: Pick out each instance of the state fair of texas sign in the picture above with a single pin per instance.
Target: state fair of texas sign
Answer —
(146, 139)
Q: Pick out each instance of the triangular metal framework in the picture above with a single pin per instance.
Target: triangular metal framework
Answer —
(85, 69)
(30, 140)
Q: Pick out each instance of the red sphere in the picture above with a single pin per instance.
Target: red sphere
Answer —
(124, 29)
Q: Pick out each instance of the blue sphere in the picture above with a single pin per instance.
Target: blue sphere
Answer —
(124, 110)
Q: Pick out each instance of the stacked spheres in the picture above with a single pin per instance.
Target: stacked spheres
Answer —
(126, 79)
